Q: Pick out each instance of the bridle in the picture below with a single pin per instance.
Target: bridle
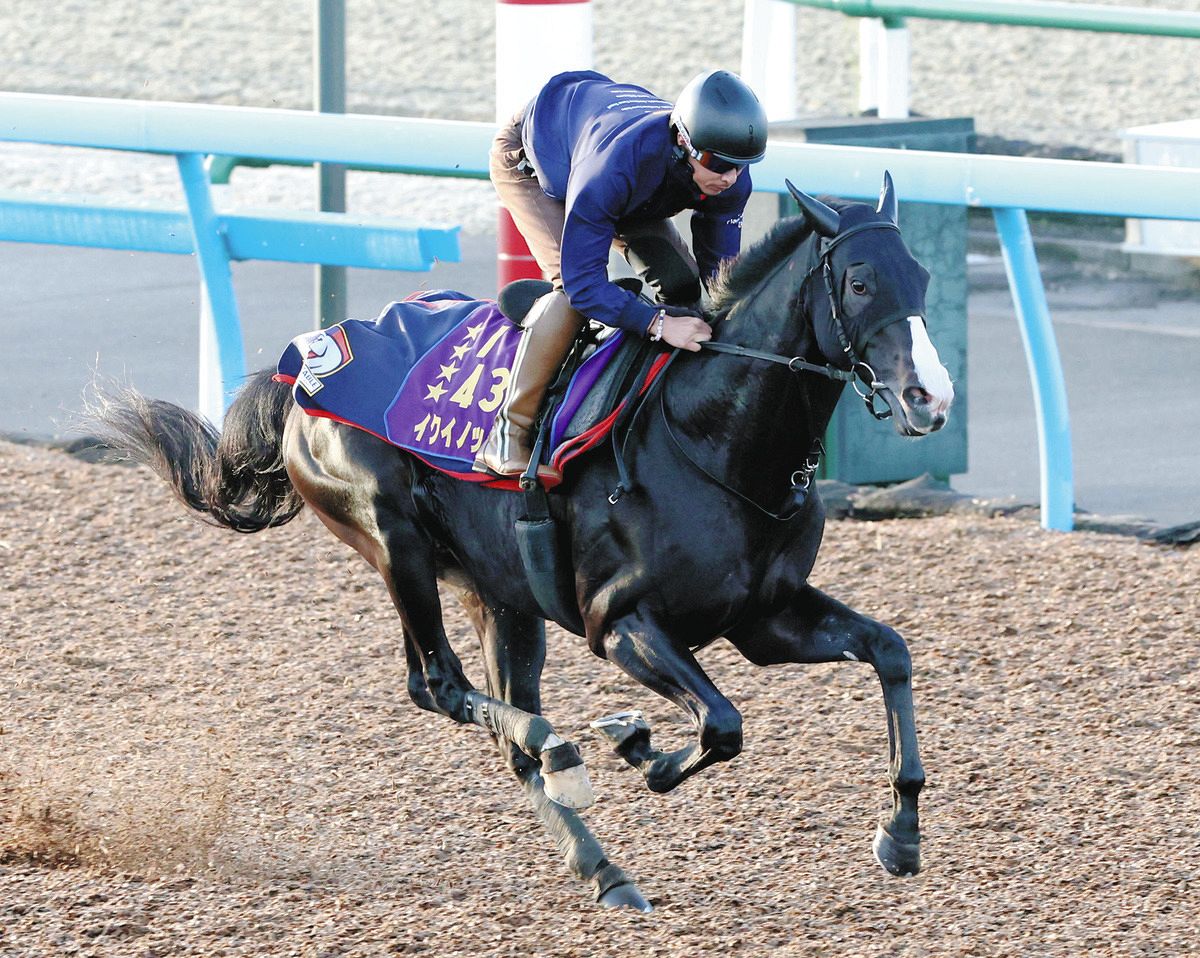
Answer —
(801, 479)
(859, 371)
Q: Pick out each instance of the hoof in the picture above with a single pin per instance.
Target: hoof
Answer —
(626, 730)
(569, 787)
(625, 896)
(898, 858)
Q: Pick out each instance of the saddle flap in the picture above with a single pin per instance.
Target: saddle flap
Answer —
(595, 393)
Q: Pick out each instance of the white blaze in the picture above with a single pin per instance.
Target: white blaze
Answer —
(932, 375)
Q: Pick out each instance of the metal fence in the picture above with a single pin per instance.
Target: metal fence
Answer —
(192, 133)
(1009, 186)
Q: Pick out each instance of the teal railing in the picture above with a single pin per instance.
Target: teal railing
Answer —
(1007, 185)
(1023, 13)
(193, 133)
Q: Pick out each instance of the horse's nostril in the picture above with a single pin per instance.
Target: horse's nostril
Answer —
(916, 397)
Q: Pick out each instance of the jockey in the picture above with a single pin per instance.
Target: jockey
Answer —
(590, 164)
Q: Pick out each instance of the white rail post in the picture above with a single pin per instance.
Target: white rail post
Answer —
(535, 39)
(769, 55)
(869, 30)
(883, 67)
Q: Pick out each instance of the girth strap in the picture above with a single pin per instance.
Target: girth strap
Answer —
(631, 407)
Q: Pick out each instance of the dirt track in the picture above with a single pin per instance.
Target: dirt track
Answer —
(206, 750)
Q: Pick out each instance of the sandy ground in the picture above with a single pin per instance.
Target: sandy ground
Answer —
(206, 750)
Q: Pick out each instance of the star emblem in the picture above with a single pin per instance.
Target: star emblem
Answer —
(461, 350)
(436, 391)
(448, 371)
(473, 332)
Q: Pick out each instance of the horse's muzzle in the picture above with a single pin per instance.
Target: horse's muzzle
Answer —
(923, 412)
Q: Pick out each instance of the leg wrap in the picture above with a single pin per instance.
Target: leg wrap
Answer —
(527, 731)
(563, 772)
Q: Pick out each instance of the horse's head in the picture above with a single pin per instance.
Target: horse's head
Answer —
(865, 296)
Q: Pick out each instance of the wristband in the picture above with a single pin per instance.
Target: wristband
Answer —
(657, 325)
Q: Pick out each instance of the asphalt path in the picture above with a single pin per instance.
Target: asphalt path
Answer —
(1130, 354)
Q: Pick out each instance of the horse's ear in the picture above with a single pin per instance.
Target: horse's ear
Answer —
(824, 219)
(887, 199)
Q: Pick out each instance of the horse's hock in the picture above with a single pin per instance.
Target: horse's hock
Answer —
(857, 450)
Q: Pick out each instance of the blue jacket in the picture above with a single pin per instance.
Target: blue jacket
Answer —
(605, 150)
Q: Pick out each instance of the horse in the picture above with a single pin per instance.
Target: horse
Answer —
(713, 534)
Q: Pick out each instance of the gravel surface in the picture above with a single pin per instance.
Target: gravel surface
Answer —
(205, 747)
(1055, 89)
(207, 751)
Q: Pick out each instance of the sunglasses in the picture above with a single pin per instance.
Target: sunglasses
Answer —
(710, 161)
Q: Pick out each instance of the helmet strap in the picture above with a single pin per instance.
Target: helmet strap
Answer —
(680, 151)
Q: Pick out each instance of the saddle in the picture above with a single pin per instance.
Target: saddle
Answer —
(588, 395)
(428, 374)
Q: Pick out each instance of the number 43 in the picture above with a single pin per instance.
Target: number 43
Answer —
(465, 394)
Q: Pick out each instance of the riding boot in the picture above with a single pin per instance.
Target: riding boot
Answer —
(550, 328)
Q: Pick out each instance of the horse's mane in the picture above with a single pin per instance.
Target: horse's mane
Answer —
(739, 276)
(742, 274)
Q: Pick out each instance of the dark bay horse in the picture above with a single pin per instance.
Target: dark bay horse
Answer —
(716, 535)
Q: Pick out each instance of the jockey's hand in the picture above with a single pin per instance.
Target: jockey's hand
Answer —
(684, 328)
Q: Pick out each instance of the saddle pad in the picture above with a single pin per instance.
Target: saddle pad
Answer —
(595, 397)
(428, 375)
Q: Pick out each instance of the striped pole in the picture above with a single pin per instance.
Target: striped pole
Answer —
(535, 39)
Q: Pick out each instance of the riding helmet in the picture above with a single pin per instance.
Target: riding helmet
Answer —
(720, 114)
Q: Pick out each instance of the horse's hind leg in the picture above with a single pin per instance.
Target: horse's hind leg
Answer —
(418, 688)
(514, 649)
(816, 628)
(335, 469)
(665, 664)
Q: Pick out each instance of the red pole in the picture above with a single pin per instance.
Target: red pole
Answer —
(513, 259)
(535, 39)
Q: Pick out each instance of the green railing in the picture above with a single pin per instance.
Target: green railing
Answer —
(769, 38)
(1024, 13)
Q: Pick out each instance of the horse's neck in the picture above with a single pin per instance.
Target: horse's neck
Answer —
(752, 419)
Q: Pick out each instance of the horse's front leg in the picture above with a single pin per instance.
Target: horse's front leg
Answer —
(816, 628)
(664, 664)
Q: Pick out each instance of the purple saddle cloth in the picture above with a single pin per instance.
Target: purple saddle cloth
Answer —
(427, 375)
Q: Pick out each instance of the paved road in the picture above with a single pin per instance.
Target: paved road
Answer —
(1130, 359)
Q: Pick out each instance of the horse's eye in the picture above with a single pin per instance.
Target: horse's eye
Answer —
(858, 287)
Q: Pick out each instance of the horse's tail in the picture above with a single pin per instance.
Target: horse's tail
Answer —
(235, 478)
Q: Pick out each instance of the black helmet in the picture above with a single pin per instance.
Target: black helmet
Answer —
(720, 114)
